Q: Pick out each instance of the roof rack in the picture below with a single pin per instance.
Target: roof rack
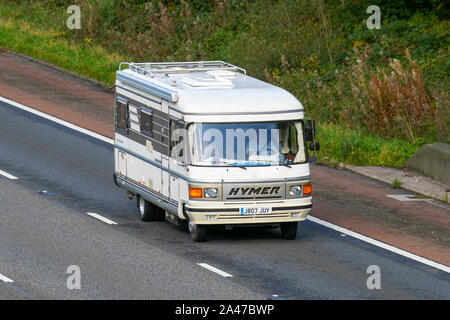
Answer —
(149, 68)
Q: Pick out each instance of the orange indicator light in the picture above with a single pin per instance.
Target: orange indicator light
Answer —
(195, 192)
(307, 189)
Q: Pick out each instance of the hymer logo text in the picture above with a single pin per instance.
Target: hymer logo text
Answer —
(254, 191)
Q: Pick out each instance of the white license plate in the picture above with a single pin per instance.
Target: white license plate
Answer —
(255, 210)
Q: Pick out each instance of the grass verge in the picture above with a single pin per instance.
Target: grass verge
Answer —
(31, 34)
(341, 144)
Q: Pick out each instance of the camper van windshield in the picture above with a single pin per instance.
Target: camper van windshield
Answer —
(248, 144)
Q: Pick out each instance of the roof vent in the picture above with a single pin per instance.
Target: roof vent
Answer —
(221, 74)
(207, 82)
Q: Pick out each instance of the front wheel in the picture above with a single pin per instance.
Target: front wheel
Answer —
(289, 230)
(198, 232)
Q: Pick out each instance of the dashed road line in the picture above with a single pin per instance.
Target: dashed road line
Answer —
(380, 244)
(99, 217)
(7, 175)
(215, 270)
(5, 279)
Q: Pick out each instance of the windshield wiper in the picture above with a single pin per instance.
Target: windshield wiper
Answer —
(238, 166)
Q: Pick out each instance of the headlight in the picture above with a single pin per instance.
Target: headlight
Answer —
(295, 191)
(210, 192)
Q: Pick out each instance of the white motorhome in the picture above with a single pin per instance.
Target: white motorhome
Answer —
(205, 144)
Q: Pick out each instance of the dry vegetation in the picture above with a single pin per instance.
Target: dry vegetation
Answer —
(391, 101)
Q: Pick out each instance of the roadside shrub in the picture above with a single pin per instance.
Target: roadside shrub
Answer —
(393, 101)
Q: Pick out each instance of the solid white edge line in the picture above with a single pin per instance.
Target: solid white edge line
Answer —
(214, 269)
(56, 120)
(99, 217)
(5, 279)
(311, 218)
(7, 175)
(380, 244)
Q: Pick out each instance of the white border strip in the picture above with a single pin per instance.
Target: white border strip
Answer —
(405, 197)
(214, 269)
(56, 120)
(99, 217)
(204, 265)
(5, 279)
(7, 175)
(380, 244)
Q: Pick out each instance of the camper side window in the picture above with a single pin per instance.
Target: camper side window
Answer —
(177, 142)
(121, 115)
(146, 122)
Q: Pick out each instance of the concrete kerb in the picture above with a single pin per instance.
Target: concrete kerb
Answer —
(432, 160)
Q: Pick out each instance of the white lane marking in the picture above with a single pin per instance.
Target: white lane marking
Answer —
(311, 218)
(5, 279)
(380, 244)
(99, 217)
(405, 197)
(56, 120)
(7, 175)
(214, 269)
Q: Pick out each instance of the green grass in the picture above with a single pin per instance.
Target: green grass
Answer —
(296, 44)
(396, 184)
(22, 32)
(340, 144)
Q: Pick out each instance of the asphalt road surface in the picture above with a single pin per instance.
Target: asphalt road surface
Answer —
(43, 233)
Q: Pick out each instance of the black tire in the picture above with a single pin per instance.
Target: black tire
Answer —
(198, 232)
(148, 211)
(160, 214)
(289, 230)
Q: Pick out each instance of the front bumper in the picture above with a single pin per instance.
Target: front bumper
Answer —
(215, 213)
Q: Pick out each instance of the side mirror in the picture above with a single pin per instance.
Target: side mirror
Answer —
(314, 146)
(310, 130)
(183, 164)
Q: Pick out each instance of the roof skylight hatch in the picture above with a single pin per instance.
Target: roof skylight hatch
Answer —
(221, 73)
(207, 81)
